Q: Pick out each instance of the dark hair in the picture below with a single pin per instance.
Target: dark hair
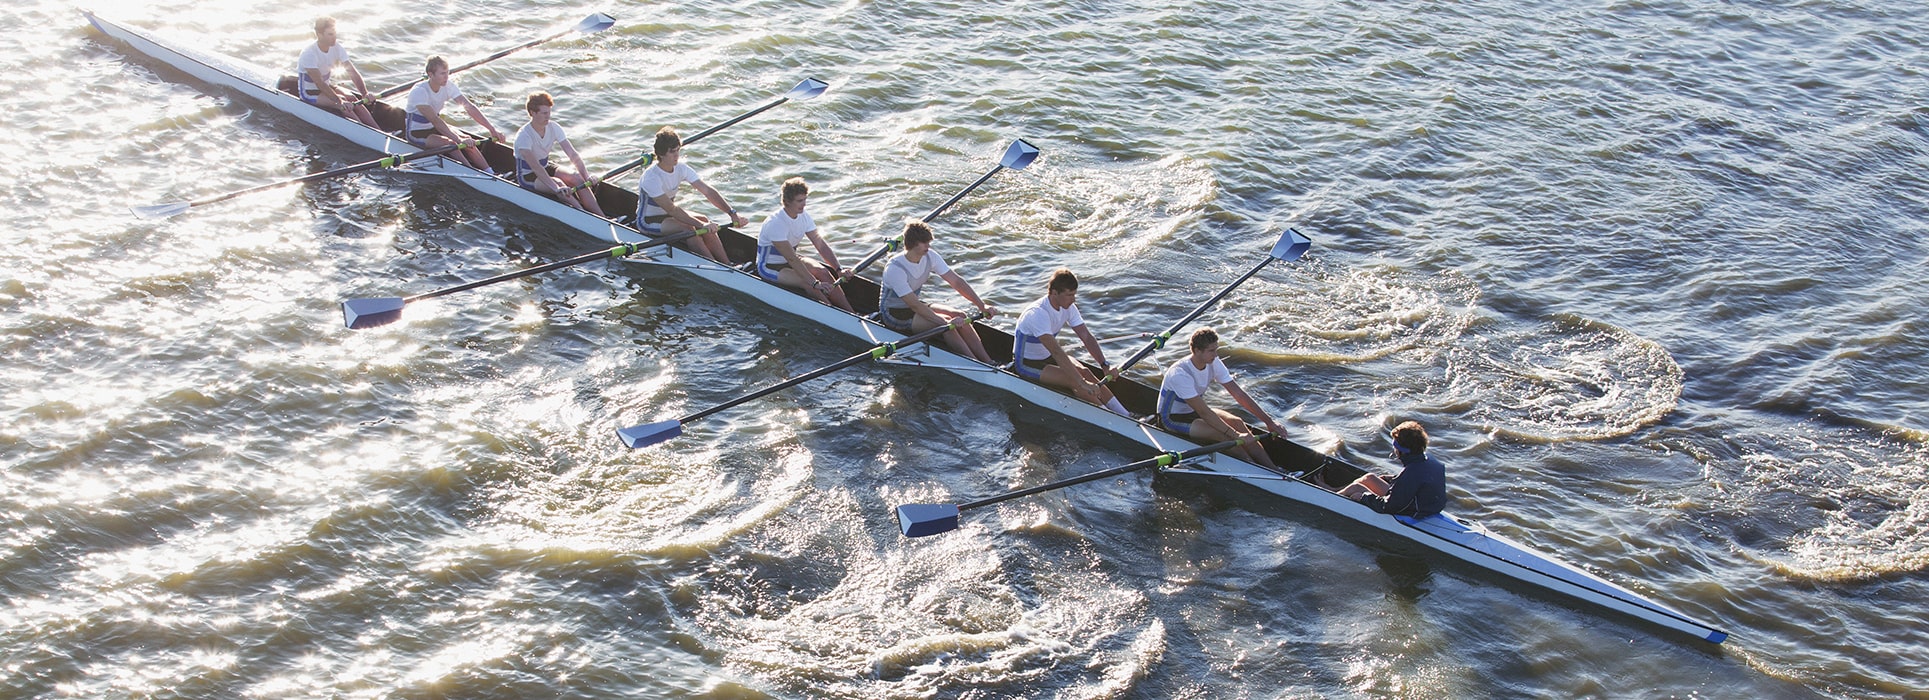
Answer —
(433, 62)
(1203, 337)
(794, 188)
(1062, 281)
(538, 99)
(1410, 437)
(916, 232)
(667, 140)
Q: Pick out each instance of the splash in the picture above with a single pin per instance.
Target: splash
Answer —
(1572, 379)
(1359, 314)
(1871, 498)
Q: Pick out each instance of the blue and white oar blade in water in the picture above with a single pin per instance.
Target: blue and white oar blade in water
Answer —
(808, 88)
(649, 434)
(369, 313)
(161, 211)
(595, 23)
(1291, 245)
(926, 519)
(1020, 154)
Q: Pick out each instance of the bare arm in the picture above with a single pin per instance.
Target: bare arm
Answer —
(1205, 413)
(578, 162)
(824, 251)
(1091, 344)
(476, 114)
(716, 198)
(964, 290)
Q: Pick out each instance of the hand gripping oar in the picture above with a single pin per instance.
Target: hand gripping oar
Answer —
(1018, 155)
(806, 89)
(1290, 247)
(369, 313)
(926, 519)
(590, 25)
(652, 433)
(162, 211)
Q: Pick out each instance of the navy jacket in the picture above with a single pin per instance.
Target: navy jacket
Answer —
(1420, 490)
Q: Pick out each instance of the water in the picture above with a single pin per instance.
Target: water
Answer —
(1649, 271)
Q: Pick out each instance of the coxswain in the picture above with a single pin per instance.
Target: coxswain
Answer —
(1420, 489)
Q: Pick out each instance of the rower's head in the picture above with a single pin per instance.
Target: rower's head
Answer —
(540, 105)
(669, 147)
(325, 33)
(1409, 438)
(1062, 289)
(437, 72)
(796, 193)
(1205, 346)
(917, 238)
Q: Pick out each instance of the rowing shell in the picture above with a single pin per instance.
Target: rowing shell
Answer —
(1455, 537)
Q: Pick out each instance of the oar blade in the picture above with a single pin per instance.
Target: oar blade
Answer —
(369, 313)
(1020, 154)
(926, 519)
(595, 23)
(806, 89)
(161, 211)
(649, 434)
(1291, 245)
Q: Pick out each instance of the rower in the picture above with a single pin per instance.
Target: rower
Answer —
(1182, 403)
(900, 307)
(1419, 490)
(656, 211)
(533, 171)
(778, 260)
(317, 63)
(425, 127)
(1036, 354)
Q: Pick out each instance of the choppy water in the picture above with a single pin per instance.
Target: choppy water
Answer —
(1650, 271)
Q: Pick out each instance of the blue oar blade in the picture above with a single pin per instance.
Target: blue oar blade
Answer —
(1020, 154)
(369, 313)
(161, 211)
(595, 23)
(1291, 245)
(808, 88)
(926, 519)
(649, 434)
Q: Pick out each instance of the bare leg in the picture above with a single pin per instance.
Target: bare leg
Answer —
(1370, 483)
(708, 245)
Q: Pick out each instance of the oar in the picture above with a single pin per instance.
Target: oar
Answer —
(806, 89)
(926, 519)
(1018, 155)
(590, 25)
(162, 211)
(369, 313)
(1128, 336)
(652, 433)
(1290, 247)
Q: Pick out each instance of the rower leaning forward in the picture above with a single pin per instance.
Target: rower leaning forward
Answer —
(1036, 354)
(1182, 402)
(317, 65)
(534, 142)
(656, 211)
(425, 127)
(901, 307)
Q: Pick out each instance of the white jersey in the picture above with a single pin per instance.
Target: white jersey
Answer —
(528, 139)
(313, 58)
(903, 277)
(656, 183)
(781, 228)
(1040, 320)
(1184, 382)
(422, 96)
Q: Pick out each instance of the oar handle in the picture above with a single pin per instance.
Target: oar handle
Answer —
(889, 245)
(623, 250)
(1164, 460)
(1159, 341)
